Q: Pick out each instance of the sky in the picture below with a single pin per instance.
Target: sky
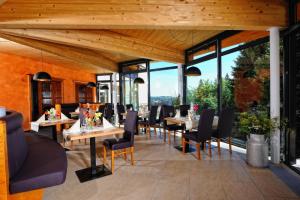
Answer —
(165, 83)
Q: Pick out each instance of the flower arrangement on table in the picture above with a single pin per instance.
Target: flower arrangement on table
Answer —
(92, 119)
(52, 114)
(196, 108)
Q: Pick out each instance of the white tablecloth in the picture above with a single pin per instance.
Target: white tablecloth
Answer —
(193, 124)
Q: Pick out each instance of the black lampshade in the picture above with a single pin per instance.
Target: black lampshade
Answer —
(42, 76)
(138, 80)
(104, 87)
(193, 71)
(91, 84)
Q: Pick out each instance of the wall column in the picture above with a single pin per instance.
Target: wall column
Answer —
(180, 82)
(275, 91)
(114, 100)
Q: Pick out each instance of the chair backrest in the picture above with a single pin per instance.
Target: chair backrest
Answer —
(153, 114)
(120, 109)
(66, 108)
(130, 126)
(108, 111)
(129, 107)
(184, 110)
(17, 147)
(205, 124)
(225, 122)
(167, 111)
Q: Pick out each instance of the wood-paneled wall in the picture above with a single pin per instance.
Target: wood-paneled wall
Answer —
(15, 90)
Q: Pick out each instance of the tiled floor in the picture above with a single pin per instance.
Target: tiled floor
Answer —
(162, 172)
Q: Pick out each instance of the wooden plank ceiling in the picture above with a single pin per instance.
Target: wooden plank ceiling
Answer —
(99, 34)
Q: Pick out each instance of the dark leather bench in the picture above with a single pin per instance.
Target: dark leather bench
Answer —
(34, 162)
(66, 108)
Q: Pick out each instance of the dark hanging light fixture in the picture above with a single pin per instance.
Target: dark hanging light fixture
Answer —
(41, 76)
(138, 80)
(104, 87)
(91, 85)
(193, 71)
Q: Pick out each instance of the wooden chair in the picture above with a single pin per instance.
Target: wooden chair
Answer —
(203, 134)
(169, 111)
(224, 128)
(151, 122)
(121, 146)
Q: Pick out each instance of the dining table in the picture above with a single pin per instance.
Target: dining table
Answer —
(189, 124)
(94, 171)
(53, 123)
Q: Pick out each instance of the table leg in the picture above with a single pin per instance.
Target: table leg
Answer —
(54, 133)
(188, 149)
(94, 171)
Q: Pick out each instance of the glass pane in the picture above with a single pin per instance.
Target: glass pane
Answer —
(103, 78)
(206, 50)
(136, 94)
(157, 65)
(202, 90)
(164, 87)
(104, 95)
(245, 76)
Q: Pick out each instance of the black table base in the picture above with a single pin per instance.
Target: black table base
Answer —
(187, 150)
(88, 174)
(94, 171)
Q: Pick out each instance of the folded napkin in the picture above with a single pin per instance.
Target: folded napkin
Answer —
(35, 125)
(77, 110)
(177, 114)
(64, 117)
(106, 124)
(75, 129)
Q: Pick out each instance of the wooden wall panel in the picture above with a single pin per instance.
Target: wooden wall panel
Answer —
(14, 82)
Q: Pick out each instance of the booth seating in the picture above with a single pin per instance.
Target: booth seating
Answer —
(66, 108)
(28, 163)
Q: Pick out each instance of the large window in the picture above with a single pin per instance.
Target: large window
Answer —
(202, 90)
(245, 81)
(164, 83)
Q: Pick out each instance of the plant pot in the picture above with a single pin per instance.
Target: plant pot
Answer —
(257, 151)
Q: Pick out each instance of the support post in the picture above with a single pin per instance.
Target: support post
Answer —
(114, 77)
(180, 82)
(219, 63)
(275, 91)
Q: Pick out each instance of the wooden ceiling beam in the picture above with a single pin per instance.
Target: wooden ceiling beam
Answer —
(2, 2)
(103, 40)
(140, 14)
(83, 56)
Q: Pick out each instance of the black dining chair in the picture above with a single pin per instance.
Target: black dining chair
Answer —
(151, 122)
(203, 134)
(129, 107)
(121, 111)
(224, 129)
(169, 111)
(184, 110)
(108, 112)
(119, 147)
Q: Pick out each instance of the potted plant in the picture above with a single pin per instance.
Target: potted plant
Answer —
(258, 125)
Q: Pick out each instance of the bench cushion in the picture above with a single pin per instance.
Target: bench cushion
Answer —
(114, 144)
(44, 166)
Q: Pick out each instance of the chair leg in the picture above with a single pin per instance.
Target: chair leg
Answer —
(229, 141)
(209, 146)
(125, 154)
(131, 154)
(219, 146)
(155, 131)
(169, 137)
(198, 151)
(183, 144)
(165, 135)
(204, 146)
(149, 131)
(174, 136)
(112, 161)
(104, 155)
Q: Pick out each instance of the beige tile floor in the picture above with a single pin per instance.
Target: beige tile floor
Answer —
(162, 172)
